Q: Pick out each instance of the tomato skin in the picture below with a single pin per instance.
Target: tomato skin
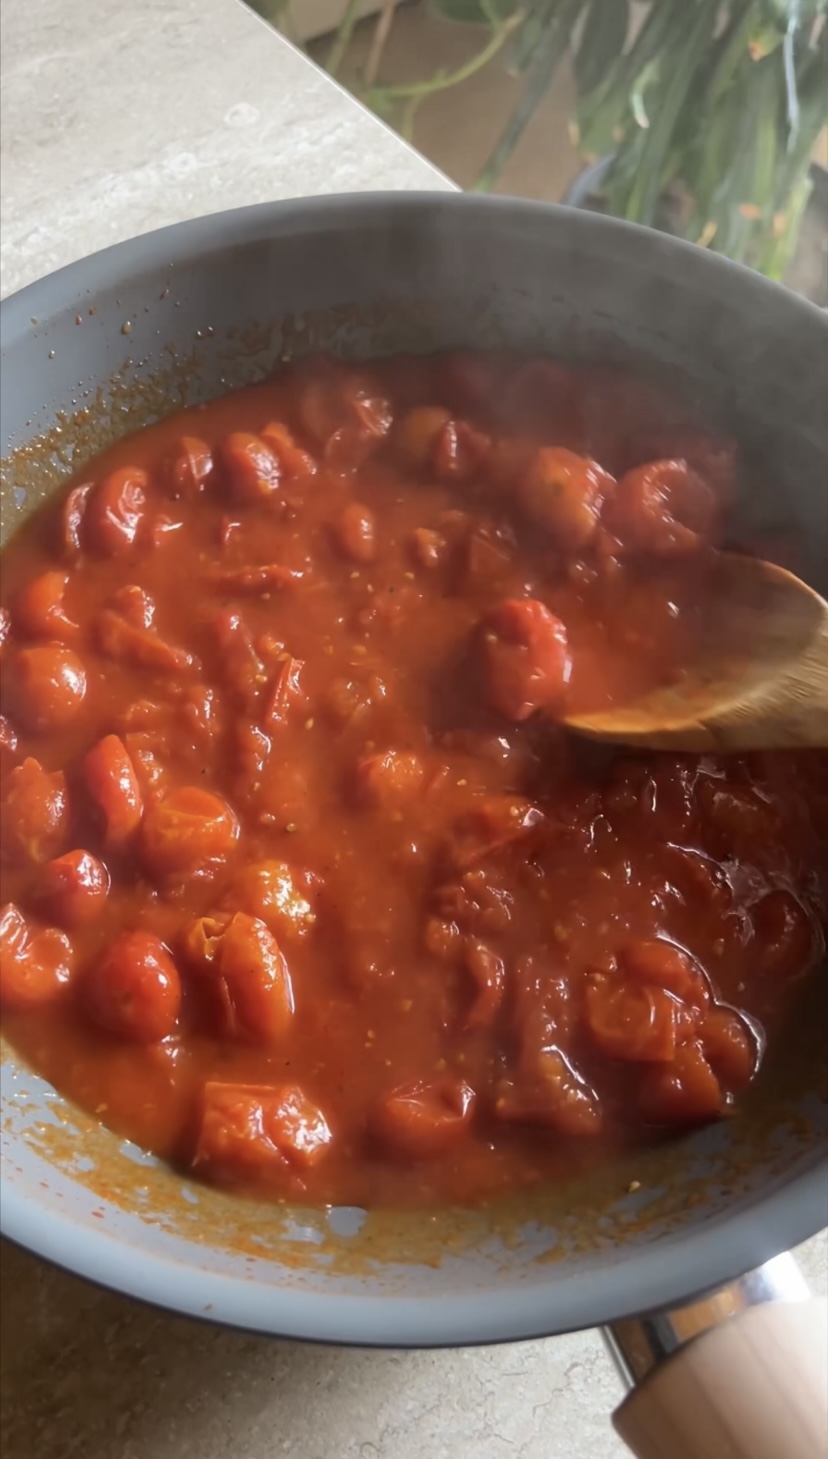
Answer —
(251, 1131)
(48, 686)
(785, 938)
(549, 1091)
(251, 468)
(40, 611)
(420, 1120)
(282, 897)
(189, 468)
(111, 781)
(417, 434)
(730, 1047)
(356, 533)
(632, 1022)
(525, 659)
(188, 833)
(35, 814)
(35, 962)
(685, 1092)
(387, 780)
(257, 992)
(660, 964)
(563, 493)
(134, 990)
(294, 462)
(116, 511)
(488, 974)
(75, 887)
(662, 508)
(72, 517)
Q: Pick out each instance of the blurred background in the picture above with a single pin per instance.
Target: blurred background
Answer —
(708, 118)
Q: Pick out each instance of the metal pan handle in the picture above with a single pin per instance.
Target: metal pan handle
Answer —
(742, 1373)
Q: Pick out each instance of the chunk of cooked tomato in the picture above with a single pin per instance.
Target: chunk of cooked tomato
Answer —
(116, 511)
(684, 1092)
(664, 509)
(189, 832)
(252, 470)
(424, 1119)
(36, 962)
(283, 896)
(74, 888)
(34, 817)
(134, 990)
(250, 1132)
(526, 662)
(40, 609)
(47, 684)
(246, 976)
(110, 778)
(631, 1021)
(189, 467)
(563, 493)
(549, 1090)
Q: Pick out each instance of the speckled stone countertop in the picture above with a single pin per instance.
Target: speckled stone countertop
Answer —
(119, 118)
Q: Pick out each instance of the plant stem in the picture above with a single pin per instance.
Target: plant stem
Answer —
(382, 30)
(342, 39)
(379, 95)
(537, 85)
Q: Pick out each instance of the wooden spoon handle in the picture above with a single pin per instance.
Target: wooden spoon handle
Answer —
(754, 1388)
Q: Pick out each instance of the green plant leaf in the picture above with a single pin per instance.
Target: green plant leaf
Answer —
(690, 52)
(556, 41)
(531, 35)
(602, 41)
(602, 112)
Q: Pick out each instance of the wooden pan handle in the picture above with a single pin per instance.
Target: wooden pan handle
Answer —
(754, 1388)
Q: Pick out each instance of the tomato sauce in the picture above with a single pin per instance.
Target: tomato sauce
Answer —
(305, 888)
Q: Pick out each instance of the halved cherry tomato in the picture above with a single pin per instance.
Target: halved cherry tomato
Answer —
(525, 659)
(40, 610)
(134, 990)
(417, 434)
(116, 511)
(386, 780)
(35, 962)
(663, 508)
(294, 462)
(252, 469)
(48, 686)
(189, 467)
(254, 994)
(112, 783)
(74, 887)
(356, 533)
(188, 833)
(34, 820)
(563, 493)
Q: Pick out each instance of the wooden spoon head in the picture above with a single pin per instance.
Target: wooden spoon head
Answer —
(759, 679)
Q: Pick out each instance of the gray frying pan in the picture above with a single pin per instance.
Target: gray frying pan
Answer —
(176, 317)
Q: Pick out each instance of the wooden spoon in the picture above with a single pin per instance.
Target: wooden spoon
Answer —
(759, 680)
